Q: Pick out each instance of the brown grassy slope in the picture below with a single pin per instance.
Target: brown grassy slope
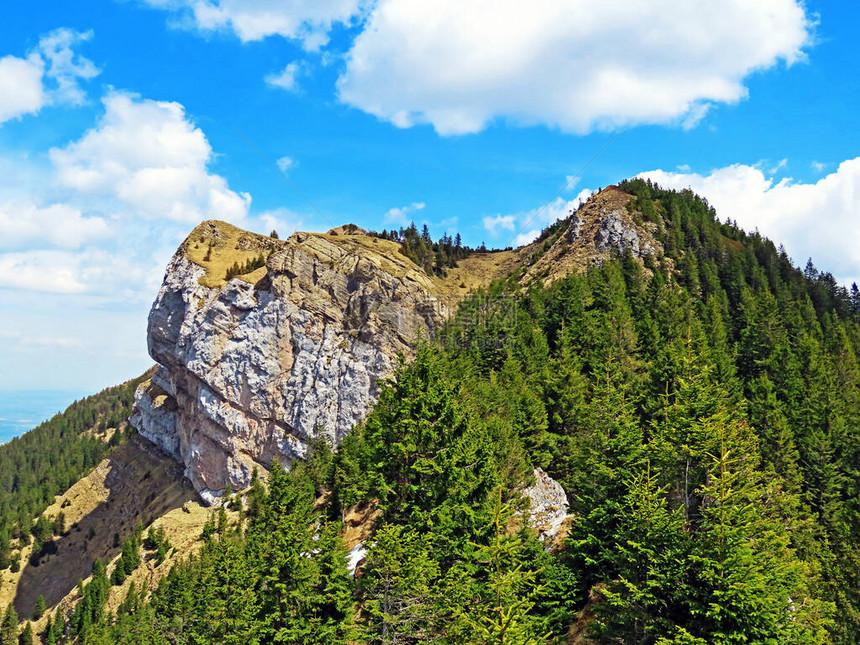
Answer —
(183, 528)
(569, 254)
(137, 483)
(217, 245)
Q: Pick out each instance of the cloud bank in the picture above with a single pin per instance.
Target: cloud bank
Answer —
(402, 215)
(575, 66)
(104, 215)
(151, 160)
(523, 228)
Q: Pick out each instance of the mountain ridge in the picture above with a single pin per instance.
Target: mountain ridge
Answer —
(706, 388)
(259, 364)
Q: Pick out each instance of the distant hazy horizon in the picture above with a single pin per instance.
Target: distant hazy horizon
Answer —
(23, 410)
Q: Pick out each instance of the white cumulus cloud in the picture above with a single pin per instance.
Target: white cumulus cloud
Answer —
(102, 218)
(45, 271)
(282, 220)
(65, 68)
(308, 21)
(528, 225)
(21, 90)
(286, 79)
(285, 163)
(498, 222)
(148, 157)
(577, 66)
(49, 74)
(817, 220)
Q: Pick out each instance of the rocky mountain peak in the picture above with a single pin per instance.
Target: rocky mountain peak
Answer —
(602, 227)
(257, 365)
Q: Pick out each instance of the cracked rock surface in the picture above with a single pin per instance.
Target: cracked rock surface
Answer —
(260, 367)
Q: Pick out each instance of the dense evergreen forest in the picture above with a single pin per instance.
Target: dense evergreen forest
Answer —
(701, 411)
(47, 460)
(433, 257)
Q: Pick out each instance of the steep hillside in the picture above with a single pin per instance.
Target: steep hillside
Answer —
(698, 406)
(134, 485)
(47, 460)
(681, 399)
(604, 226)
(357, 295)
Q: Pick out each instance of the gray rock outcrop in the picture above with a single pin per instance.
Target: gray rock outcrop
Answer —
(548, 505)
(614, 235)
(600, 229)
(573, 229)
(259, 367)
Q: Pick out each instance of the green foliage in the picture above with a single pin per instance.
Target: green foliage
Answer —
(128, 560)
(157, 544)
(701, 410)
(9, 627)
(246, 267)
(26, 637)
(47, 460)
(433, 257)
(646, 598)
(740, 539)
(39, 607)
(432, 456)
(399, 587)
(54, 629)
(504, 611)
(90, 609)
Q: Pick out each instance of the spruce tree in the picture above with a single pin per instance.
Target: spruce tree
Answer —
(503, 613)
(57, 627)
(400, 583)
(9, 627)
(26, 637)
(644, 598)
(749, 584)
(39, 607)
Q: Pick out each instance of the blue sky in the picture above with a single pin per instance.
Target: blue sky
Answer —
(124, 123)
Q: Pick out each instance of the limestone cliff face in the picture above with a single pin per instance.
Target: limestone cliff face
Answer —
(256, 367)
(266, 345)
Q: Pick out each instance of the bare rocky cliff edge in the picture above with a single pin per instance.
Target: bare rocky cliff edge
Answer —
(258, 366)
